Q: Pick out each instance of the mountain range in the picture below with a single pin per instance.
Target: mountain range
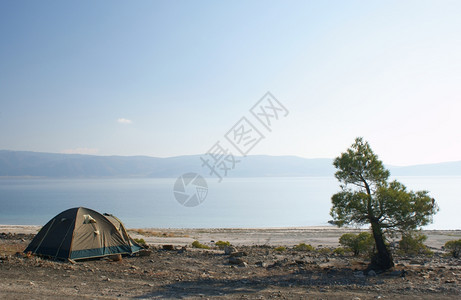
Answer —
(54, 165)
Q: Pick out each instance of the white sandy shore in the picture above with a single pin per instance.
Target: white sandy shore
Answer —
(314, 235)
(25, 229)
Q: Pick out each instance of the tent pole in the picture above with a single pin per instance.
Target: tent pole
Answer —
(59, 248)
(41, 241)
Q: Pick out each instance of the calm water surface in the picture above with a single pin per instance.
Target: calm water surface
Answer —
(235, 202)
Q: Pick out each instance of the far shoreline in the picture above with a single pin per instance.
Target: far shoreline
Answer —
(318, 236)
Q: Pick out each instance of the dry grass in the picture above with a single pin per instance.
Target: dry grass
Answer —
(11, 248)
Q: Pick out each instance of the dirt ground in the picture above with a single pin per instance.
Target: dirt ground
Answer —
(252, 272)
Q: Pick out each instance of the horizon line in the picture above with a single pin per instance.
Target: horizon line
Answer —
(185, 155)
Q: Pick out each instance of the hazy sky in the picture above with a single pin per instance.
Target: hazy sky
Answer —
(167, 78)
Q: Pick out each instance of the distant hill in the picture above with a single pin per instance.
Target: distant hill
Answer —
(53, 165)
(440, 169)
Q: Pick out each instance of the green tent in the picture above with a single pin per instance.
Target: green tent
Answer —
(80, 233)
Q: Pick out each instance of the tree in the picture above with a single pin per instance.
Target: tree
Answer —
(366, 197)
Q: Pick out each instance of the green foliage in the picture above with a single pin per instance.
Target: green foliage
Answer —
(280, 249)
(366, 197)
(413, 244)
(303, 247)
(221, 244)
(454, 247)
(359, 164)
(340, 251)
(404, 210)
(196, 244)
(324, 251)
(357, 243)
(141, 242)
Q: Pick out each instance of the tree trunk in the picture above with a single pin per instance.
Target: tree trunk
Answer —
(383, 258)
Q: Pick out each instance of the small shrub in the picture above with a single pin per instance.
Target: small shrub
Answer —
(454, 247)
(141, 242)
(357, 243)
(221, 245)
(303, 247)
(324, 251)
(196, 244)
(280, 249)
(340, 251)
(413, 244)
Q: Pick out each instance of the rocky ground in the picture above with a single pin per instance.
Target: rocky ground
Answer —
(249, 272)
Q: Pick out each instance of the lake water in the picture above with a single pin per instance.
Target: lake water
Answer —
(235, 202)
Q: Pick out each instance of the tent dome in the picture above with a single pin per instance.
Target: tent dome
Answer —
(80, 233)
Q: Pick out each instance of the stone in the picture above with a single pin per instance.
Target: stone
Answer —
(238, 254)
(261, 264)
(395, 273)
(229, 250)
(371, 273)
(144, 252)
(235, 260)
(115, 257)
(168, 247)
(279, 263)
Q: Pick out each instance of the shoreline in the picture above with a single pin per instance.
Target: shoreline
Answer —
(308, 227)
(317, 236)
